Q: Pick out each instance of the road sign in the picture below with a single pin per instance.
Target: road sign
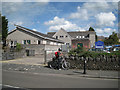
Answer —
(99, 44)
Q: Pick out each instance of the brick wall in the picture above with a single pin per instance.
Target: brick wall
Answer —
(86, 43)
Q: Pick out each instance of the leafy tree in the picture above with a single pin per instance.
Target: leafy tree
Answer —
(91, 29)
(112, 39)
(4, 30)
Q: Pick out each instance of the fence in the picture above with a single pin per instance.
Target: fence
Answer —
(99, 63)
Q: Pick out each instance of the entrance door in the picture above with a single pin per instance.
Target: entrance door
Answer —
(79, 45)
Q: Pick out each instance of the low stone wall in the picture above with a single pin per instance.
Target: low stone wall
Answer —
(13, 55)
(96, 63)
(29, 50)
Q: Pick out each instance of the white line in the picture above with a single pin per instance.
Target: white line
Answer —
(9, 86)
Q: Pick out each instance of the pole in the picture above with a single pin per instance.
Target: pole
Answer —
(45, 59)
(84, 72)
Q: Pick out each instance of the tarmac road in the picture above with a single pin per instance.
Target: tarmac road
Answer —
(47, 80)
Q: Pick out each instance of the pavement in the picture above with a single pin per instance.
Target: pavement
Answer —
(36, 65)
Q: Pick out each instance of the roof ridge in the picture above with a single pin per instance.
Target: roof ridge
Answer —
(36, 32)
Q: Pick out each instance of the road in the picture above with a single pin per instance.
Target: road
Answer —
(46, 80)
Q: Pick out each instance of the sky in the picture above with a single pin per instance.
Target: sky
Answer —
(50, 16)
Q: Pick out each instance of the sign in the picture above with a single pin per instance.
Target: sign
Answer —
(99, 44)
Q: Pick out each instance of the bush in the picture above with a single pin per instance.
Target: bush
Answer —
(82, 53)
(95, 60)
(18, 47)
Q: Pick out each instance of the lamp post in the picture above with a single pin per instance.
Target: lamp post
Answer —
(84, 72)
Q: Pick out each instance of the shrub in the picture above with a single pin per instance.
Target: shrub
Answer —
(18, 47)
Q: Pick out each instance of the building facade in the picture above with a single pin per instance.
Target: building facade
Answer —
(32, 40)
(73, 38)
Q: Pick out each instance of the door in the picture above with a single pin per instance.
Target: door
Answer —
(79, 45)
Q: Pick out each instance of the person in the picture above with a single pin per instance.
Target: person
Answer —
(58, 55)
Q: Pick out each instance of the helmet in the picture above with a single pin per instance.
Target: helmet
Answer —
(59, 49)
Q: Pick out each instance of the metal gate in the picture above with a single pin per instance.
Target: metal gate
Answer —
(49, 55)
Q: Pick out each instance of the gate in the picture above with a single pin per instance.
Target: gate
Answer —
(49, 55)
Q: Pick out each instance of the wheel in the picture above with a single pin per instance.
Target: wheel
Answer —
(50, 65)
(65, 65)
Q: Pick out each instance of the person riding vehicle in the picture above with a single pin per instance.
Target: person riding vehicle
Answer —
(58, 55)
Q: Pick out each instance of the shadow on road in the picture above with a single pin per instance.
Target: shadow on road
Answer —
(77, 72)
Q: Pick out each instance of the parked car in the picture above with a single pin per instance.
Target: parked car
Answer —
(116, 49)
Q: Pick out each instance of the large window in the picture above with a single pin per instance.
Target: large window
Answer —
(27, 42)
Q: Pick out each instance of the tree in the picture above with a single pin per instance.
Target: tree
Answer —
(18, 47)
(112, 39)
(91, 29)
(4, 30)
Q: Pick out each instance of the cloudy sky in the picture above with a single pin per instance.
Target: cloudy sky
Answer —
(72, 16)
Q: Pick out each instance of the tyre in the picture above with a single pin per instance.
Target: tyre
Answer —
(50, 65)
(65, 65)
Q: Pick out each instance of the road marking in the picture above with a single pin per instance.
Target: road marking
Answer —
(9, 86)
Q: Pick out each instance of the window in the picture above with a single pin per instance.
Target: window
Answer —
(15, 42)
(80, 37)
(61, 36)
(66, 36)
(76, 36)
(28, 42)
(56, 37)
(83, 36)
(39, 42)
(11, 42)
(24, 41)
(67, 43)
